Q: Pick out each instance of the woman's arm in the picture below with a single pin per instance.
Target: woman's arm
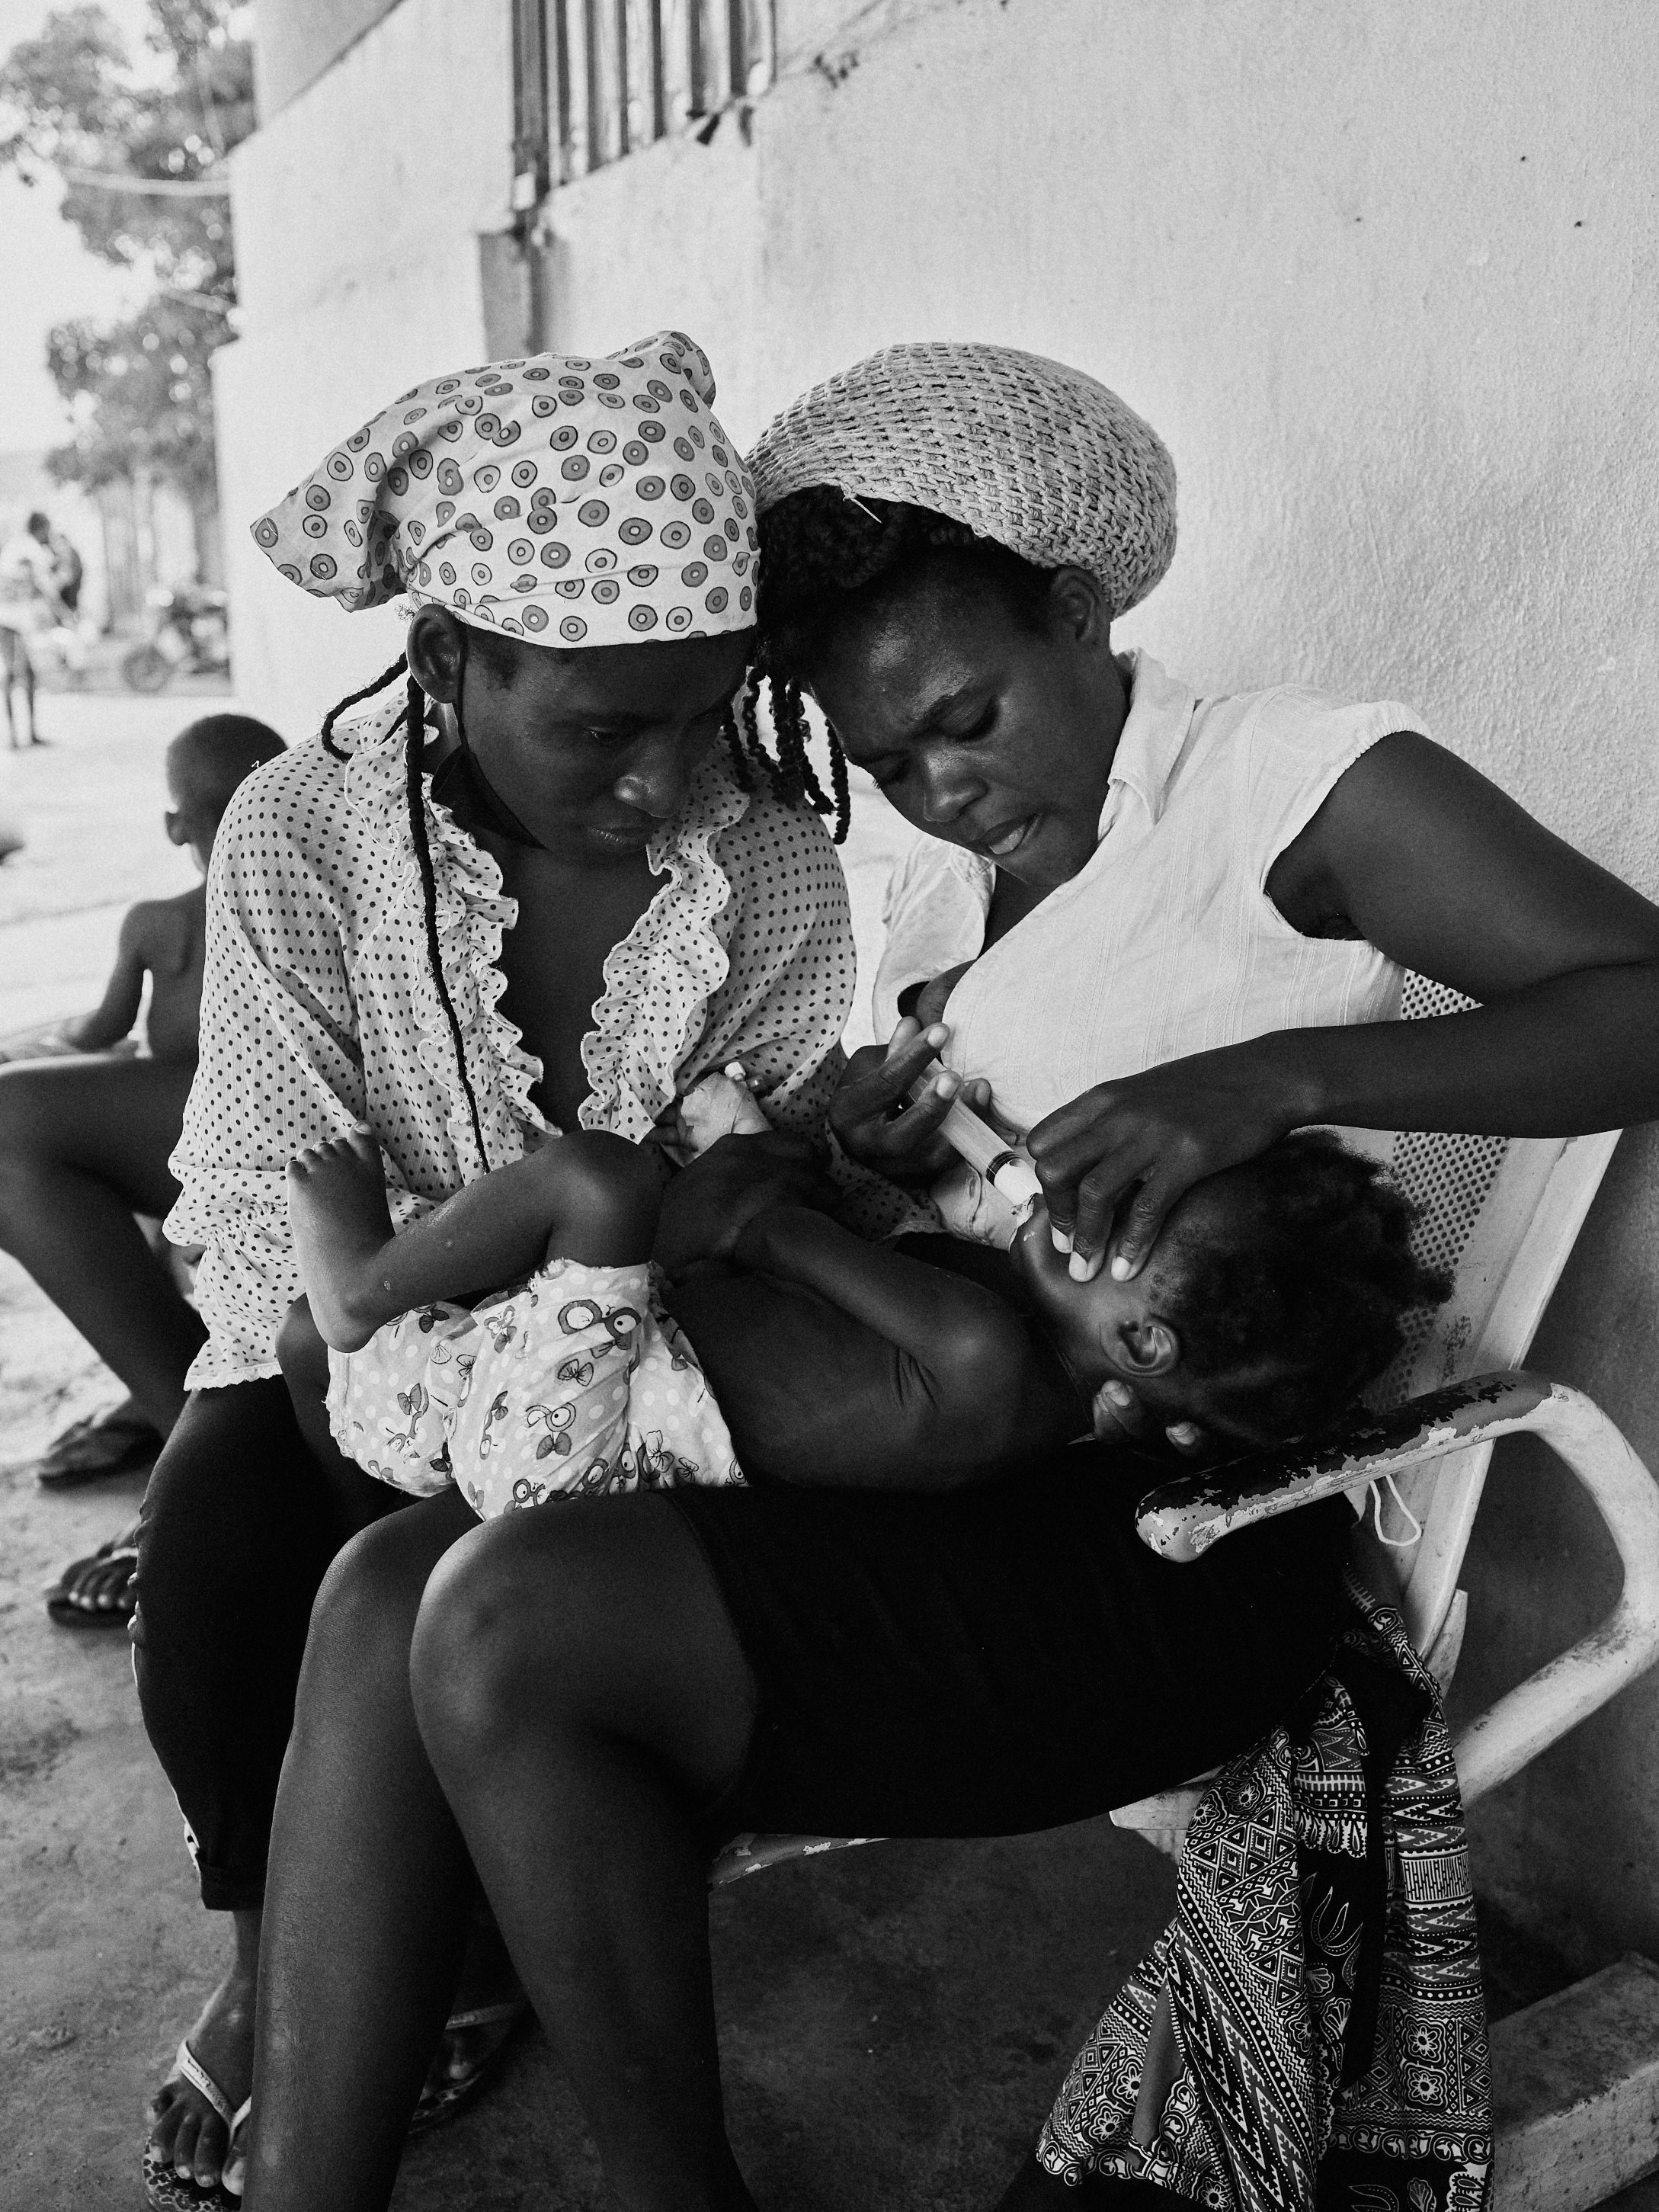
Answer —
(842, 1363)
(1418, 853)
(279, 1069)
(113, 1017)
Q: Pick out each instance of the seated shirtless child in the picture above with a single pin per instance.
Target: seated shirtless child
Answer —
(87, 1128)
(1277, 1294)
(87, 1133)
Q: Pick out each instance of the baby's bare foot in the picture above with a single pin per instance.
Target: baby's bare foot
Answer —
(337, 1210)
(720, 1105)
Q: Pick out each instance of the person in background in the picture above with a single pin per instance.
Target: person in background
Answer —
(70, 636)
(69, 570)
(30, 602)
(84, 1141)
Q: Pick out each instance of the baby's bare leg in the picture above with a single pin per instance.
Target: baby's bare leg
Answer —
(341, 1226)
(588, 1196)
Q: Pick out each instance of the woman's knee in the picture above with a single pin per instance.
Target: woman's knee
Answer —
(576, 1617)
(471, 1656)
(526, 1621)
(364, 1614)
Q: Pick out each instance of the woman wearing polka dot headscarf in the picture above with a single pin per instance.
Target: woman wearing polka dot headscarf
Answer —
(548, 885)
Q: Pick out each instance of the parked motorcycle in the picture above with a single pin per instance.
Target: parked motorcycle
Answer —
(187, 633)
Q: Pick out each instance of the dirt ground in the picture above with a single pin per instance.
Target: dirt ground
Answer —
(894, 2020)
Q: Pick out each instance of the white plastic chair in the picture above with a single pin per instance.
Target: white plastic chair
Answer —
(1501, 1214)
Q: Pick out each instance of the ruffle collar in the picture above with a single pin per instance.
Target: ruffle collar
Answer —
(658, 980)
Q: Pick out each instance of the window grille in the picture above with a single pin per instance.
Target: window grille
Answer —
(595, 79)
(532, 149)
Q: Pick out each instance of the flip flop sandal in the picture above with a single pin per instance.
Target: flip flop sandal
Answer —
(60, 1469)
(65, 1612)
(164, 2189)
(442, 2100)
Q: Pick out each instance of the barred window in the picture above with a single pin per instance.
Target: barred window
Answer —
(597, 79)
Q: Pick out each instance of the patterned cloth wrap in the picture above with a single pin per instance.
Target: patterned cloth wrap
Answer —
(570, 502)
(1326, 2002)
(577, 1382)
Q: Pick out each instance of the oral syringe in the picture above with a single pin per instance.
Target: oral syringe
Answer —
(1008, 1172)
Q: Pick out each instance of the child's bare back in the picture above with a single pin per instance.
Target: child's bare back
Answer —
(165, 940)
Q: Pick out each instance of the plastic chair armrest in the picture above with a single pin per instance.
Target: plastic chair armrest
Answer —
(1182, 1519)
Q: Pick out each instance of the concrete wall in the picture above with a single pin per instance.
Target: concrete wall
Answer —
(1385, 276)
(295, 40)
(359, 211)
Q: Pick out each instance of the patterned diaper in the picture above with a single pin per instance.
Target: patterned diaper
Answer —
(578, 1382)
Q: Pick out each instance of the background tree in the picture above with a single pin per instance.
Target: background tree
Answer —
(71, 101)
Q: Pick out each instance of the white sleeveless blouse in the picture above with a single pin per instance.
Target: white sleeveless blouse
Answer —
(1166, 943)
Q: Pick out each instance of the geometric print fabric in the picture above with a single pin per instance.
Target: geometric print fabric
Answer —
(1331, 2057)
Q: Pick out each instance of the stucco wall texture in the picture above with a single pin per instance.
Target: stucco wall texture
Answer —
(358, 209)
(1384, 278)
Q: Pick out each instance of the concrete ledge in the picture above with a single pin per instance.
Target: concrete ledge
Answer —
(1576, 2091)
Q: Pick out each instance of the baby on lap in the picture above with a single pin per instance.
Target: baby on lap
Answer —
(799, 1352)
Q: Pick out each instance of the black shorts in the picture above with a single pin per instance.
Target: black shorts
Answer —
(990, 1661)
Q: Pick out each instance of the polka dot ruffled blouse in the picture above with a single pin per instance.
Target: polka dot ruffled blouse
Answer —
(319, 1009)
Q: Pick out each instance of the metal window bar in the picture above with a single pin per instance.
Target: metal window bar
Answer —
(531, 137)
(625, 73)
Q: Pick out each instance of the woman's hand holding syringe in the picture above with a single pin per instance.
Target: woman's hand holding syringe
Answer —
(879, 1120)
(1008, 1171)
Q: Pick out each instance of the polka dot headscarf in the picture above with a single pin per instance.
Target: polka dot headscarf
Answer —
(567, 502)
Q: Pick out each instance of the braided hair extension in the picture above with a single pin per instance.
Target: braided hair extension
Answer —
(356, 699)
(1288, 1283)
(790, 776)
(731, 731)
(820, 548)
(414, 724)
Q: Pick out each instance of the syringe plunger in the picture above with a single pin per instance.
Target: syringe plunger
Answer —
(1004, 1169)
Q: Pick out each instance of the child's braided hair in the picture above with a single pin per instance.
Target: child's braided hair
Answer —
(820, 550)
(1299, 1303)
